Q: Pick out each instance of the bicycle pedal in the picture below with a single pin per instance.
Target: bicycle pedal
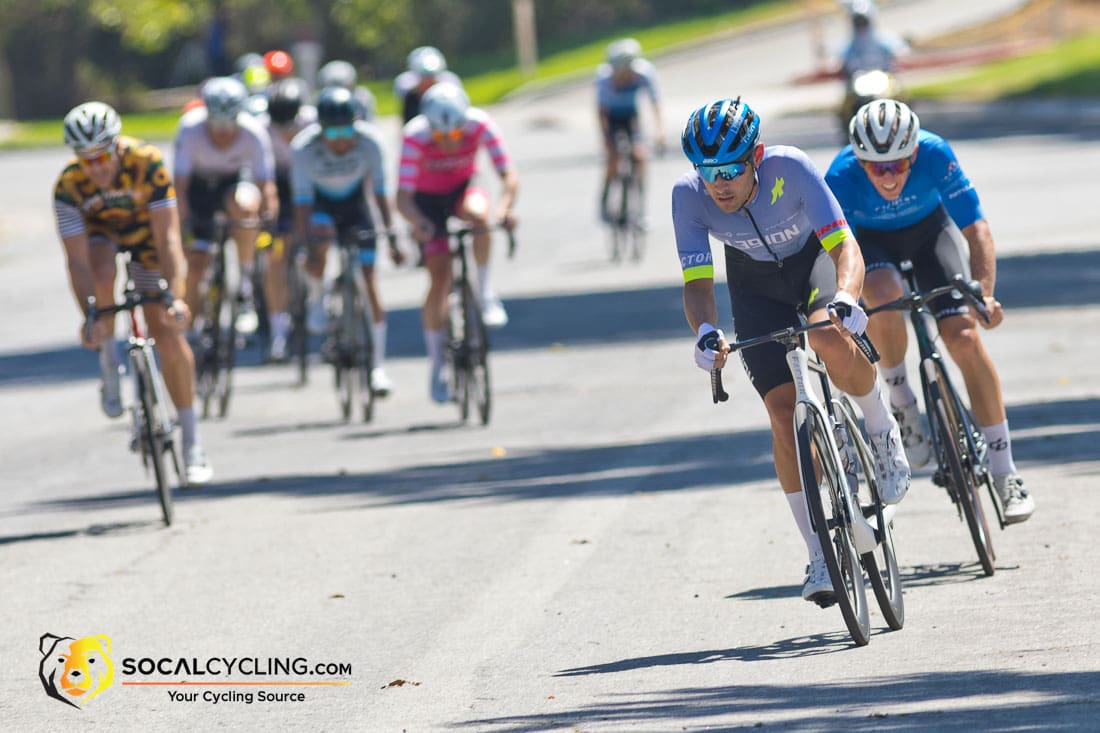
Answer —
(824, 600)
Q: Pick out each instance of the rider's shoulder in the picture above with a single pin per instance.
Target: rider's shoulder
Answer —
(305, 136)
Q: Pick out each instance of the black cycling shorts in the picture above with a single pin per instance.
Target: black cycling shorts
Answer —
(934, 245)
(205, 197)
(766, 297)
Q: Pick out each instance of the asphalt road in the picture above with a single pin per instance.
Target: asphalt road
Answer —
(611, 552)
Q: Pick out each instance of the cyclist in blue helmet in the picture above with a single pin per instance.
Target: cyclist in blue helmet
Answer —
(788, 252)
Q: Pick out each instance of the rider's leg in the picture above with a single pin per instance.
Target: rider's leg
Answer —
(104, 272)
(434, 316)
(242, 204)
(178, 367)
(198, 259)
(888, 333)
(474, 209)
(780, 405)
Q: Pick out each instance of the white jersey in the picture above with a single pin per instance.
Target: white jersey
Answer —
(196, 155)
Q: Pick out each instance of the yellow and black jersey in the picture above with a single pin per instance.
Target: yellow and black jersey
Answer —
(121, 213)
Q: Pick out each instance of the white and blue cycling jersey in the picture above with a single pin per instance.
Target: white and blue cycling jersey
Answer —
(317, 171)
(622, 101)
(792, 208)
(935, 178)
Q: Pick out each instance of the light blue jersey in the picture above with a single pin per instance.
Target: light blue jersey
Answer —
(336, 177)
(792, 207)
(935, 178)
(622, 101)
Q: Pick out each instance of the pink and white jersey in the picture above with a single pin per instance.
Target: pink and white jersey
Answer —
(428, 169)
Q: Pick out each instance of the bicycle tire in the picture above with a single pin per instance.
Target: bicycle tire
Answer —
(364, 361)
(227, 355)
(209, 363)
(830, 523)
(616, 210)
(259, 299)
(636, 234)
(881, 564)
(152, 437)
(477, 355)
(952, 426)
(345, 347)
(299, 336)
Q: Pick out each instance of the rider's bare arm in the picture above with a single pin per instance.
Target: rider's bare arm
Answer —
(183, 184)
(165, 224)
(983, 267)
(80, 268)
(270, 208)
(508, 194)
(422, 227)
(849, 267)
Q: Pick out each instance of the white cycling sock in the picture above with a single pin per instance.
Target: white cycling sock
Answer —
(1000, 449)
(901, 394)
(378, 334)
(876, 413)
(280, 324)
(797, 502)
(435, 341)
(108, 356)
(315, 287)
(189, 426)
(483, 281)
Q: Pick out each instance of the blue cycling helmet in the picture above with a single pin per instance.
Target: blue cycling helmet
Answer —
(724, 131)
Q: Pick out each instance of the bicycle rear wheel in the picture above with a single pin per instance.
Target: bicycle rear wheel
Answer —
(227, 353)
(364, 360)
(881, 564)
(618, 206)
(966, 477)
(208, 365)
(635, 225)
(828, 514)
(476, 349)
(153, 437)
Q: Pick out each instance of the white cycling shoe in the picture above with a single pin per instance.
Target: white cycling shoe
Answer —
(439, 386)
(918, 448)
(891, 465)
(110, 392)
(380, 383)
(492, 312)
(818, 587)
(1017, 502)
(199, 470)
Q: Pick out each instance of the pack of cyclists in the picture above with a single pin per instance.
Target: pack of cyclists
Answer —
(796, 243)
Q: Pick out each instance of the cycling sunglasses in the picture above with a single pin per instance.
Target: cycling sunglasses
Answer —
(727, 172)
(100, 156)
(441, 135)
(340, 132)
(897, 167)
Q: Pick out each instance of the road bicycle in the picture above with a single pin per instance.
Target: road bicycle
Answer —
(467, 337)
(626, 234)
(958, 444)
(217, 349)
(837, 472)
(152, 419)
(350, 347)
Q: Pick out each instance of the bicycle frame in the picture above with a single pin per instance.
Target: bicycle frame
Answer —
(354, 349)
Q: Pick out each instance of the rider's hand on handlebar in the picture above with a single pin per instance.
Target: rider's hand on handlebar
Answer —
(996, 313)
(97, 332)
(179, 314)
(507, 219)
(846, 313)
(711, 349)
(396, 254)
(423, 229)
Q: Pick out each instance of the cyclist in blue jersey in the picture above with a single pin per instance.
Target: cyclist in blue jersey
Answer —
(618, 82)
(908, 198)
(788, 251)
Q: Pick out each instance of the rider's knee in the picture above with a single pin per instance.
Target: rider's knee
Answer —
(881, 285)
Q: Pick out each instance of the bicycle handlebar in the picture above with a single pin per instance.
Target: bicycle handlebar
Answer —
(970, 290)
(468, 230)
(131, 298)
(719, 394)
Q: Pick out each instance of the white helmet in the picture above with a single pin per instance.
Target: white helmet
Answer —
(337, 74)
(445, 106)
(91, 125)
(621, 53)
(884, 129)
(427, 61)
(224, 98)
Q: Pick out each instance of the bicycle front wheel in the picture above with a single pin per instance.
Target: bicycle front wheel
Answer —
(299, 338)
(227, 353)
(881, 564)
(476, 349)
(830, 519)
(966, 478)
(153, 436)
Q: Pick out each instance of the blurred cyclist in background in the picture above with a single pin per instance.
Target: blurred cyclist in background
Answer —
(869, 48)
(342, 74)
(438, 163)
(335, 162)
(279, 64)
(426, 66)
(220, 149)
(117, 195)
(618, 82)
(287, 115)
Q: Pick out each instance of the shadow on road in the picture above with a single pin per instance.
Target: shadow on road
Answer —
(971, 700)
(1054, 279)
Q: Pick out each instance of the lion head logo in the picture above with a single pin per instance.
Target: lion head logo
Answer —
(75, 670)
